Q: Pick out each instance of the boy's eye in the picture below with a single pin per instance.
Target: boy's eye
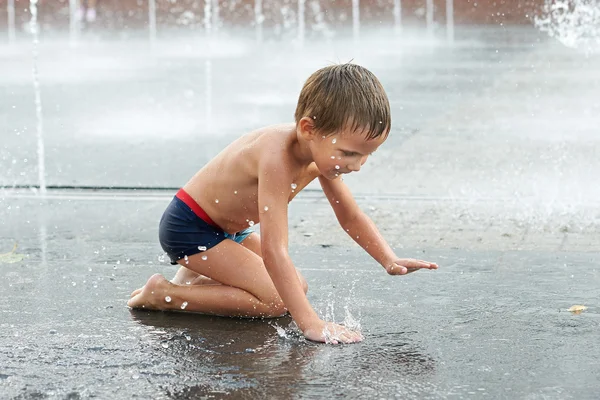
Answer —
(349, 153)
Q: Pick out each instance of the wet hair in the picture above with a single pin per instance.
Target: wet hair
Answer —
(345, 96)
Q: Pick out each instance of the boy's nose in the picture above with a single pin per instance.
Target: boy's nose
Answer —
(355, 167)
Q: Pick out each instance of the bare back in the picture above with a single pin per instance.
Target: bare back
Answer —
(227, 187)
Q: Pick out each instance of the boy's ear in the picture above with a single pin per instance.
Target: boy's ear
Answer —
(307, 128)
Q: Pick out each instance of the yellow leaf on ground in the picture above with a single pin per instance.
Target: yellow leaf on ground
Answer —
(577, 309)
(11, 257)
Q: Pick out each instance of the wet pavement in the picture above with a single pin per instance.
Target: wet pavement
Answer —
(490, 171)
(488, 323)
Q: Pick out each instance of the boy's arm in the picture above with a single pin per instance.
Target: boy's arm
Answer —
(274, 188)
(363, 231)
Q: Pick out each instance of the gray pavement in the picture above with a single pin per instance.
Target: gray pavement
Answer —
(487, 324)
(490, 170)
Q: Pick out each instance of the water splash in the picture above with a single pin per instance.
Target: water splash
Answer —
(38, 97)
(574, 23)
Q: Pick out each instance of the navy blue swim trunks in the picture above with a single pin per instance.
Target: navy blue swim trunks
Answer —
(185, 229)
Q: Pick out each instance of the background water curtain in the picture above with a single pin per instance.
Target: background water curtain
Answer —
(575, 23)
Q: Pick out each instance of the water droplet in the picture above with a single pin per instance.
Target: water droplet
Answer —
(334, 140)
(118, 262)
(184, 305)
(314, 117)
(188, 282)
(202, 248)
(333, 157)
(337, 201)
(204, 258)
(216, 200)
(235, 192)
(294, 186)
(168, 299)
(251, 223)
(188, 337)
(165, 345)
(337, 167)
(381, 122)
(73, 283)
(266, 208)
(136, 376)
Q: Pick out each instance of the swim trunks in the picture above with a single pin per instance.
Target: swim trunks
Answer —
(185, 229)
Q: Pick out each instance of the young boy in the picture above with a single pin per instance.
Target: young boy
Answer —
(342, 117)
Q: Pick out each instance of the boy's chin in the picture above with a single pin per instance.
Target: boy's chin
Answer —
(331, 175)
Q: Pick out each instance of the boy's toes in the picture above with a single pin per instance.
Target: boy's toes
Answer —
(136, 292)
(136, 301)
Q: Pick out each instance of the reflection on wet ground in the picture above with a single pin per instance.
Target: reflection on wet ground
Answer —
(488, 323)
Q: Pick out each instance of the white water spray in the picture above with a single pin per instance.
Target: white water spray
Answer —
(301, 16)
(258, 20)
(450, 20)
(73, 23)
(397, 17)
(152, 21)
(355, 19)
(208, 9)
(38, 98)
(215, 15)
(574, 23)
(10, 10)
(429, 18)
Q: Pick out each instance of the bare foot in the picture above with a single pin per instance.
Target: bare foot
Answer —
(151, 297)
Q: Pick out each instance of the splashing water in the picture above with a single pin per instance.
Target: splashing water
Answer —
(575, 23)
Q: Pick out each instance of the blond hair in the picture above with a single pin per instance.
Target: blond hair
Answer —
(345, 96)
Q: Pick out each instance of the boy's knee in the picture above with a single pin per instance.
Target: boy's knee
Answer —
(277, 309)
(303, 282)
(304, 285)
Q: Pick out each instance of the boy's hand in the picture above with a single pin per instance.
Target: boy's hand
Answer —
(329, 332)
(403, 266)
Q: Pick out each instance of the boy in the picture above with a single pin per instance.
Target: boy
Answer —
(342, 116)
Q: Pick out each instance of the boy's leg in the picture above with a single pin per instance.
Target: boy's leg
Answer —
(252, 242)
(246, 288)
(186, 276)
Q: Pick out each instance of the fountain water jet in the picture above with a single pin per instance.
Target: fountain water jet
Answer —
(73, 23)
(152, 21)
(301, 16)
(397, 17)
(355, 19)
(258, 20)
(450, 20)
(208, 11)
(10, 10)
(429, 18)
(38, 98)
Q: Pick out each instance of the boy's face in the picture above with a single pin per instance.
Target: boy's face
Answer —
(343, 152)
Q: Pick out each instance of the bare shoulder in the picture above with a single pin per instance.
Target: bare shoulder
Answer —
(272, 150)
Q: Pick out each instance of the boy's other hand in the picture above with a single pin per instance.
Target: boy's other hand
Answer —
(403, 266)
(329, 332)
